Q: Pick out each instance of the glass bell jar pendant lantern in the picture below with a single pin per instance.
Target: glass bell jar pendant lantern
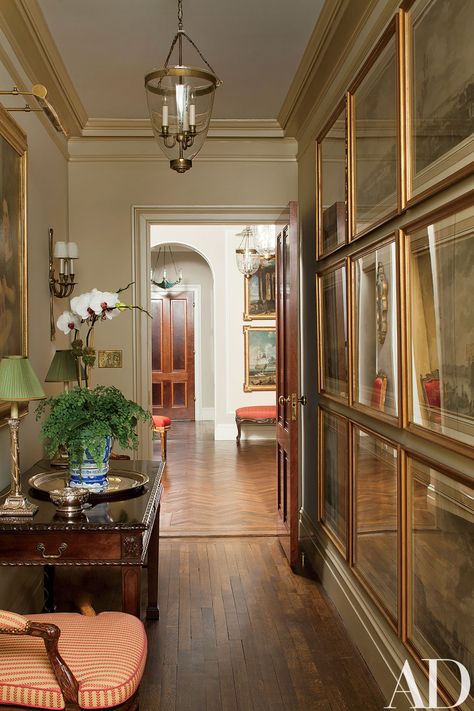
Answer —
(264, 239)
(247, 257)
(180, 100)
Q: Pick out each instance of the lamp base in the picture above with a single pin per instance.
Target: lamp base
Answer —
(181, 165)
(17, 505)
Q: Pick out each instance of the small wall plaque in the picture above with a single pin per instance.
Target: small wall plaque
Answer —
(109, 359)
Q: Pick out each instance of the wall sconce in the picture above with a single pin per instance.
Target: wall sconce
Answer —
(60, 286)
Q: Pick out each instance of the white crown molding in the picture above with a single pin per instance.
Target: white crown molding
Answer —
(325, 75)
(324, 29)
(134, 149)
(219, 128)
(22, 82)
(27, 32)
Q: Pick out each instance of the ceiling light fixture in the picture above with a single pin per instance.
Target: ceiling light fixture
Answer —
(164, 283)
(264, 239)
(180, 100)
(247, 257)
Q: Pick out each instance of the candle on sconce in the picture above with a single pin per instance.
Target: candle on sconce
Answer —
(192, 112)
(60, 252)
(73, 253)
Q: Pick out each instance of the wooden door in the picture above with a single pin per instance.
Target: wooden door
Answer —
(172, 360)
(287, 383)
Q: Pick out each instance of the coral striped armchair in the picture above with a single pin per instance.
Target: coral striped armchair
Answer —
(68, 661)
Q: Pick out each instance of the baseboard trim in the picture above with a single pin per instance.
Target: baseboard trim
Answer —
(381, 649)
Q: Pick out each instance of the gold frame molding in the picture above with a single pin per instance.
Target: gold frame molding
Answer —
(342, 105)
(16, 138)
(446, 696)
(319, 329)
(345, 549)
(462, 167)
(393, 31)
(248, 388)
(396, 420)
(409, 439)
(446, 210)
(395, 622)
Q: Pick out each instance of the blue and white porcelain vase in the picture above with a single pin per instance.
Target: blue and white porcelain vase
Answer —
(88, 473)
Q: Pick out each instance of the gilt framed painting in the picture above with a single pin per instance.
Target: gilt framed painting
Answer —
(13, 261)
(259, 292)
(260, 358)
(440, 89)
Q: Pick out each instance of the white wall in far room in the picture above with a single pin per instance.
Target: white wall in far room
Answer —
(217, 245)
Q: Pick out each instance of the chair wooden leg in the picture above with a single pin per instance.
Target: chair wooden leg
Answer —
(163, 444)
(237, 439)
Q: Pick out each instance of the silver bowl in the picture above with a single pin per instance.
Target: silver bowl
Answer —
(69, 500)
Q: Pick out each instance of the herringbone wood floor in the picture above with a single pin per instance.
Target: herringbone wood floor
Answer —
(216, 488)
(238, 631)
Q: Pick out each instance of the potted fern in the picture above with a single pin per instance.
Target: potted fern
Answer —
(85, 422)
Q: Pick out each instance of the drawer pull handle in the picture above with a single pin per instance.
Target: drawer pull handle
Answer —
(41, 548)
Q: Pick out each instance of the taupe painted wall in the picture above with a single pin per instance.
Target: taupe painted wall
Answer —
(47, 207)
(108, 178)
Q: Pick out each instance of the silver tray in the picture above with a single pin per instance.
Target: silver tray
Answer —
(122, 484)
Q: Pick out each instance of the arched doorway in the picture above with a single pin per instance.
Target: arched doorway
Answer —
(182, 333)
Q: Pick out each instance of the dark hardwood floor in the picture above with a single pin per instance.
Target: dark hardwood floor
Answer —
(238, 631)
(214, 488)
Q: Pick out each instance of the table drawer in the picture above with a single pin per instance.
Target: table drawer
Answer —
(57, 547)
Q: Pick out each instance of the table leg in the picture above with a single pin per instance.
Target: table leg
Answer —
(131, 586)
(48, 588)
(152, 610)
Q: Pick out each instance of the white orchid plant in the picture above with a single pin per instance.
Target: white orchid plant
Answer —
(90, 308)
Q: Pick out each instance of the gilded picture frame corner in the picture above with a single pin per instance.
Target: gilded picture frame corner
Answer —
(264, 367)
(13, 243)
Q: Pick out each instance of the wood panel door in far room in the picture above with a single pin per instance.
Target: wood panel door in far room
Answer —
(288, 399)
(173, 354)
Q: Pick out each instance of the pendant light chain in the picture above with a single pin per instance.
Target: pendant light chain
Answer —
(180, 100)
(179, 35)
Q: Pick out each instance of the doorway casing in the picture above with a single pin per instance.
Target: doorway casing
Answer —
(143, 218)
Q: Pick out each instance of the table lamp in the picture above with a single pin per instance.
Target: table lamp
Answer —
(63, 368)
(18, 383)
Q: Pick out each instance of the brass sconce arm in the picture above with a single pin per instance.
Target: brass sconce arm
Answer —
(62, 285)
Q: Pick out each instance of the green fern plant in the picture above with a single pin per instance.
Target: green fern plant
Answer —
(81, 418)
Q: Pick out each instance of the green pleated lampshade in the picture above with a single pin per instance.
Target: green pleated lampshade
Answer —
(18, 380)
(63, 368)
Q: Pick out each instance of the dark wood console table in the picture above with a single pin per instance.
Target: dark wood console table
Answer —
(120, 532)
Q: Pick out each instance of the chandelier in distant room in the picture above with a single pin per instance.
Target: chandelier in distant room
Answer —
(247, 257)
(180, 100)
(155, 271)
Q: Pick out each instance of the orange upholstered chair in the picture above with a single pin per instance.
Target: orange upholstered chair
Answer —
(67, 661)
(379, 391)
(256, 415)
(161, 424)
(432, 394)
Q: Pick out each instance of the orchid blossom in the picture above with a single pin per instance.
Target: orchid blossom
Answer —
(89, 308)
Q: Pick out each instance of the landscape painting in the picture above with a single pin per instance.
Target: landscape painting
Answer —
(259, 292)
(260, 358)
(443, 85)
